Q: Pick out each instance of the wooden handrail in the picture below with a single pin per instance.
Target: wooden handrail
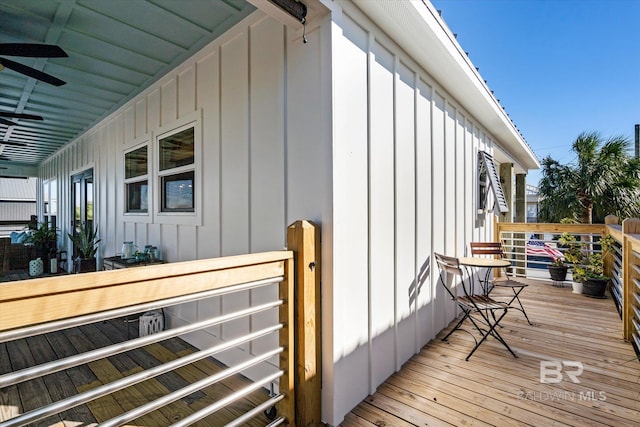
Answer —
(34, 301)
(552, 228)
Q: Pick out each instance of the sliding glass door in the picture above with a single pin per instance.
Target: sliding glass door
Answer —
(82, 201)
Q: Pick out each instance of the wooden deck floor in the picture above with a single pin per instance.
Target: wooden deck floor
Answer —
(438, 387)
(23, 397)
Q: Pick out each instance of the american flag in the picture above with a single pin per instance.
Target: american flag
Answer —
(540, 248)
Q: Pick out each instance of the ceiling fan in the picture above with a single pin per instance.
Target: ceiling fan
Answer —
(31, 50)
(16, 116)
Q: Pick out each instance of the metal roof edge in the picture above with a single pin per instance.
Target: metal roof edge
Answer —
(408, 21)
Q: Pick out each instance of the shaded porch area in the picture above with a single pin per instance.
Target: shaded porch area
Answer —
(437, 386)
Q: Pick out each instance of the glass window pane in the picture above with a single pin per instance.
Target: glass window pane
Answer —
(137, 197)
(89, 196)
(177, 192)
(77, 211)
(46, 196)
(53, 196)
(177, 150)
(135, 163)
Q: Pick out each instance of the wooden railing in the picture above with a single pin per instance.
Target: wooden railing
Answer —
(38, 306)
(623, 266)
(631, 280)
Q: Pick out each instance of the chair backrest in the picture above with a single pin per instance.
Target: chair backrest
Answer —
(490, 248)
(448, 264)
(486, 248)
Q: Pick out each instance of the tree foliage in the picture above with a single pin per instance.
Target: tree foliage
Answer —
(603, 179)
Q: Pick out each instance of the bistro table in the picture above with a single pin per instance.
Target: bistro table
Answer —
(488, 263)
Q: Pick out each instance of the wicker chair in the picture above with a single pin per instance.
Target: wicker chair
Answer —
(15, 256)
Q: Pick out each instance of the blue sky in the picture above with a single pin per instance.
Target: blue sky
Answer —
(559, 67)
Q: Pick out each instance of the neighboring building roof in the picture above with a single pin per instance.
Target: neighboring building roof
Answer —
(18, 190)
(17, 211)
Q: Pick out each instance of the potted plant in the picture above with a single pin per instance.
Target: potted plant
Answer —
(558, 269)
(572, 255)
(85, 240)
(591, 273)
(43, 239)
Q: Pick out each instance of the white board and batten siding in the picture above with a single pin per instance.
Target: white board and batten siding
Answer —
(404, 176)
(346, 131)
(256, 94)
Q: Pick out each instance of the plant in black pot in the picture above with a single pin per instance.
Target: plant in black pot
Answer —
(591, 273)
(85, 240)
(558, 269)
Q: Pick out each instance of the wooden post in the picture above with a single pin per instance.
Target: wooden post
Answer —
(629, 226)
(608, 260)
(303, 238)
(521, 216)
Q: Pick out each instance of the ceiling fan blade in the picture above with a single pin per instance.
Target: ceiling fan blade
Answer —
(7, 122)
(15, 144)
(32, 50)
(31, 72)
(20, 116)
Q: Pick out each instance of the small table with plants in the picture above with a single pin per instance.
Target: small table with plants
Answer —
(117, 262)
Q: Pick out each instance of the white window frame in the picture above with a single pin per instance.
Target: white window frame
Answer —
(179, 218)
(143, 217)
(50, 198)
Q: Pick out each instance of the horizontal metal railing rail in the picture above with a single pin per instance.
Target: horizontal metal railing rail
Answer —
(532, 247)
(164, 285)
(631, 313)
(12, 378)
(617, 276)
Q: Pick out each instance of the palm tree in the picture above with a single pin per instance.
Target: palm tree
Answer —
(603, 180)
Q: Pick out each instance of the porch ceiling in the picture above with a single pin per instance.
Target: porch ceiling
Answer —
(116, 49)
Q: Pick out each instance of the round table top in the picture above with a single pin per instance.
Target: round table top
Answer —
(483, 262)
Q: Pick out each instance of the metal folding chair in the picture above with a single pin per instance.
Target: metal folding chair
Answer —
(493, 249)
(483, 312)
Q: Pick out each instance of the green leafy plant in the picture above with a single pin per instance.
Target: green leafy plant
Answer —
(603, 179)
(593, 265)
(558, 262)
(85, 240)
(43, 236)
(573, 248)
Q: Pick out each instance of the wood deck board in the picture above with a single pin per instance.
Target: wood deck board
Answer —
(438, 387)
(33, 393)
(204, 368)
(9, 396)
(59, 384)
(17, 354)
